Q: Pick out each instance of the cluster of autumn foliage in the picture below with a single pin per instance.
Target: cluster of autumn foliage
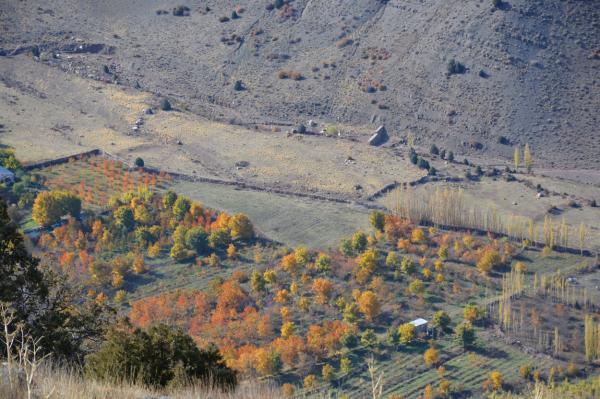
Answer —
(302, 312)
(101, 251)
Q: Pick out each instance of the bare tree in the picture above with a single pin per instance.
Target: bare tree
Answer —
(23, 352)
(7, 317)
(376, 379)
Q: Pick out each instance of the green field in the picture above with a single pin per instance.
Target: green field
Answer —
(293, 221)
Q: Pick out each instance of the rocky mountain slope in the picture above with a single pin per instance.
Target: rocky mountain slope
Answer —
(531, 67)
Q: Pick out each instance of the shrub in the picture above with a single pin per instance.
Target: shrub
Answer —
(503, 140)
(455, 67)
(526, 371)
(181, 11)
(238, 85)
(165, 105)
(451, 156)
(223, 19)
(422, 163)
(497, 3)
(154, 357)
(414, 158)
(139, 162)
(432, 171)
(234, 15)
(434, 150)
(344, 42)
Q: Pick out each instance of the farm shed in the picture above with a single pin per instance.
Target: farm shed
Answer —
(420, 325)
(6, 176)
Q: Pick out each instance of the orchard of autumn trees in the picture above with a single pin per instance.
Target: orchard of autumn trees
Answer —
(303, 313)
(308, 317)
(102, 251)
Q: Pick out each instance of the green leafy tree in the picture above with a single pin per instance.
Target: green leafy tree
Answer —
(219, 238)
(465, 335)
(323, 263)
(181, 207)
(407, 266)
(169, 199)
(139, 162)
(377, 219)
(178, 252)
(8, 159)
(407, 333)
(351, 313)
(368, 339)
(392, 260)
(241, 227)
(359, 241)
(124, 218)
(346, 247)
(392, 336)
(257, 281)
(196, 239)
(50, 206)
(441, 320)
(155, 356)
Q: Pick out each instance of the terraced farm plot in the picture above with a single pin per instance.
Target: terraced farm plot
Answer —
(96, 179)
(164, 275)
(293, 221)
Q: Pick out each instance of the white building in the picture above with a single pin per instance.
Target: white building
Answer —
(6, 176)
(420, 325)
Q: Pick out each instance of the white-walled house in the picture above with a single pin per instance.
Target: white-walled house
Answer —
(6, 176)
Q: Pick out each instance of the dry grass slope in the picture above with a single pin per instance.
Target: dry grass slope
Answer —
(56, 382)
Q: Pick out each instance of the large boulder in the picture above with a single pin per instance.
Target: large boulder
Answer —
(379, 137)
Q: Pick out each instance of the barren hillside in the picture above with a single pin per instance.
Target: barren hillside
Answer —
(531, 65)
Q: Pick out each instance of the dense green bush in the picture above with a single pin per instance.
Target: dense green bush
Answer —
(157, 357)
(165, 105)
(434, 150)
(455, 67)
(422, 163)
(139, 162)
